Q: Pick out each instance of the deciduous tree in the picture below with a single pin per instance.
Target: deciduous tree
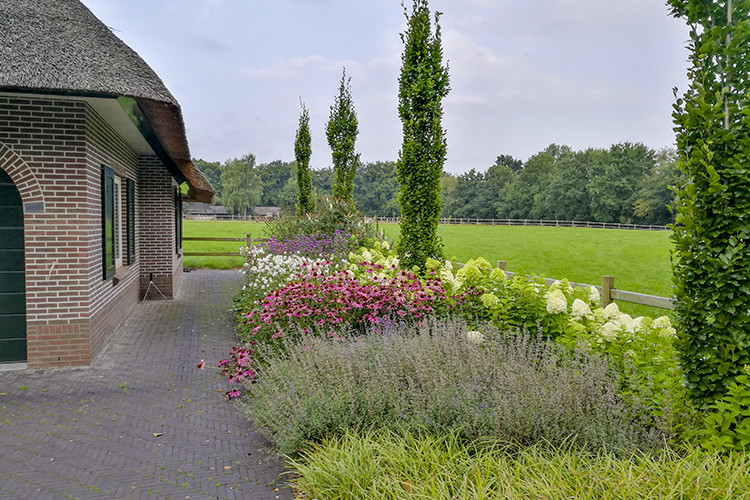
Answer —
(341, 131)
(423, 84)
(241, 184)
(302, 153)
(711, 232)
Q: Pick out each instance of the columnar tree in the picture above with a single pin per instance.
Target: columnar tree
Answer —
(302, 153)
(711, 232)
(423, 84)
(241, 184)
(341, 131)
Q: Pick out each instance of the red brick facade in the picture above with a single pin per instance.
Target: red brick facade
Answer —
(53, 149)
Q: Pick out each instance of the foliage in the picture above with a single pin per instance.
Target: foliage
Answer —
(332, 215)
(312, 245)
(613, 189)
(341, 131)
(212, 171)
(241, 185)
(423, 84)
(727, 425)
(382, 465)
(376, 189)
(436, 377)
(711, 233)
(302, 153)
(655, 199)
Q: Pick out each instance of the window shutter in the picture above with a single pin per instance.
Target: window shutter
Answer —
(108, 222)
(178, 219)
(130, 220)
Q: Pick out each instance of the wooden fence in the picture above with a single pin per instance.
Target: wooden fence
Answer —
(607, 291)
(534, 222)
(248, 240)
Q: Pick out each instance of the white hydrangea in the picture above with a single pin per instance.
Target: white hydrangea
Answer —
(580, 309)
(594, 295)
(556, 302)
(489, 299)
(664, 325)
(475, 336)
(627, 323)
(612, 311)
(608, 331)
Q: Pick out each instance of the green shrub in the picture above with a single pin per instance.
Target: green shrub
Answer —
(331, 215)
(727, 425)
(438, 377)
(386, 465)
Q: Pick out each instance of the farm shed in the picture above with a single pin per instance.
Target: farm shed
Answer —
(92, 149)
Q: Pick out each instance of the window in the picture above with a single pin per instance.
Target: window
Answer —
(118, 222)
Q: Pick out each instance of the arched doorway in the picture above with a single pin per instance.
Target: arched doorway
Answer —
(12, 274)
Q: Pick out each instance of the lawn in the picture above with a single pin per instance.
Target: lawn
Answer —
(217, 229)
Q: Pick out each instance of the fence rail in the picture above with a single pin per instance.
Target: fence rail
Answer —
(535, 222)
(607, 291)
(468, 221)
(248, 240)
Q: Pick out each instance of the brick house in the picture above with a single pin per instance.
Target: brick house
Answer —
(92, 149)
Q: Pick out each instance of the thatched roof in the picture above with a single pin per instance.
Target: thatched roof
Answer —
(60, 47)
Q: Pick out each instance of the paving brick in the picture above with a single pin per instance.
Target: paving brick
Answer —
(88, 432)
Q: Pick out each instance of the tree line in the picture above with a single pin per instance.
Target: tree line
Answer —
(628, 183)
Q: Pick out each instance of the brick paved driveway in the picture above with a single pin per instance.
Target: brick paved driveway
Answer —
(89, 433)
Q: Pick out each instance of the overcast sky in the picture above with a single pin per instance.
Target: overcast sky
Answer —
(524, 73)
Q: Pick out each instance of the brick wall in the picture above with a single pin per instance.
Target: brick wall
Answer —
(53, 149)
(159, 259)
(113, 299)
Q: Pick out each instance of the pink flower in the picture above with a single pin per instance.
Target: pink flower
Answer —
(201, 365)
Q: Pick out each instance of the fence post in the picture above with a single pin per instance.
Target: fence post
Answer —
(501, 264)
(248, 241)
(608, 283)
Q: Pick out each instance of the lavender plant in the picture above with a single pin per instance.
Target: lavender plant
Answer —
(437, 377)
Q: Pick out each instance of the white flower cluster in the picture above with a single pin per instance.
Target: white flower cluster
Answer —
(475, 336)
(266, 271)
(620, 325)
(556, 301)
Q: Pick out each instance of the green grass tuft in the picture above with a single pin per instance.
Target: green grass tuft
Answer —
(400, 465)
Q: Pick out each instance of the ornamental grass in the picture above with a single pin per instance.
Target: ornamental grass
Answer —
(435, 377)
(407, 465)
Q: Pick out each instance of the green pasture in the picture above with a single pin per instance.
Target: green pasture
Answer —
(639, 260)
(217, 229)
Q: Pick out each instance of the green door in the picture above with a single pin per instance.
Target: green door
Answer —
(12, 276)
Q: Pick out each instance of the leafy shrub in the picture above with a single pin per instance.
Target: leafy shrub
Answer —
(332, 215)
(435, 377)
(727, 425)
(318, 246)
(386, 465)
